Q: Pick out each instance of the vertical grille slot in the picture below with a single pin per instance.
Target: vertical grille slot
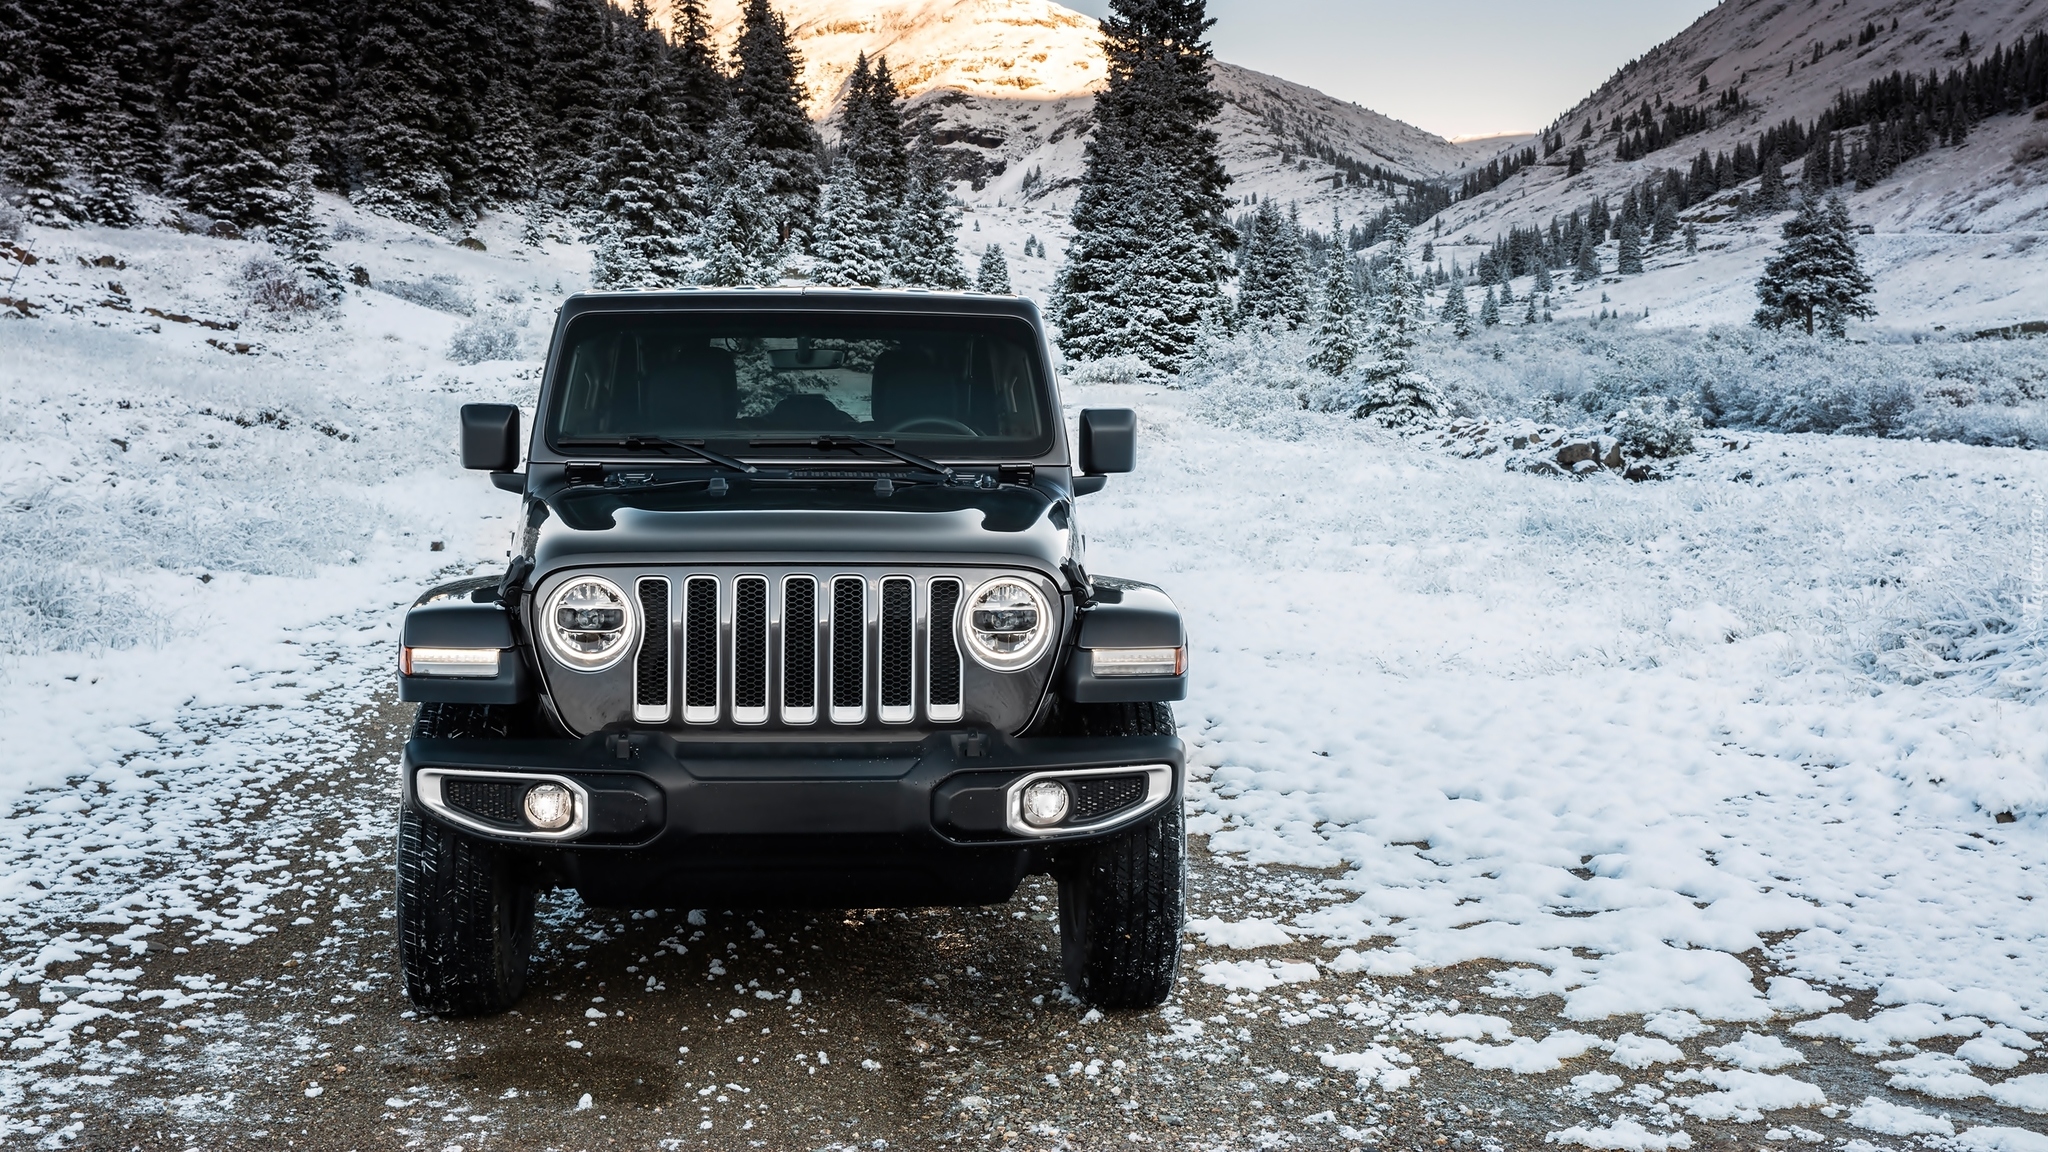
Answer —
(898, 677)
(750, 650)
(700, 650)
(849, 650)
(651, 681)
(799, 650)
(942, 659)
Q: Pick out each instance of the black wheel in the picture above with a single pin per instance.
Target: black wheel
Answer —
(1122, 906)
(465, 911)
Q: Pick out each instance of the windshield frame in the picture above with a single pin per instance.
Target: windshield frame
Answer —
(1048, 447)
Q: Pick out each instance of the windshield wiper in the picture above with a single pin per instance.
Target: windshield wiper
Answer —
(828, 443)
(638, 442)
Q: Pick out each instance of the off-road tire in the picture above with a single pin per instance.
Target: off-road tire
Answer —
(465, 911)
(1122, 900)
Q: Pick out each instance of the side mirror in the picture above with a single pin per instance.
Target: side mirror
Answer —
(1109, 440)
(490, 437)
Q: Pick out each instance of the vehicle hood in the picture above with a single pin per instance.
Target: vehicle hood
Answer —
(605, 525)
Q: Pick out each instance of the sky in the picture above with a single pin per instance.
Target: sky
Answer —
(1452, 67)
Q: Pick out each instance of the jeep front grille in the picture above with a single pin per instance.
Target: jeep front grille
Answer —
(753, 649)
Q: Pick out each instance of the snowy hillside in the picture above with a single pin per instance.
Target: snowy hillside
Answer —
(1008, 86)
(1956, 232)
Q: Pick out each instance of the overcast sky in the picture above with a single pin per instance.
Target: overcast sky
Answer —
(1454, 67)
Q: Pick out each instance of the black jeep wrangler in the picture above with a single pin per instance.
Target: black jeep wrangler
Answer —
(798, 616)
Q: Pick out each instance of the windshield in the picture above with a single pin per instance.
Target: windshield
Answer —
(945, 385)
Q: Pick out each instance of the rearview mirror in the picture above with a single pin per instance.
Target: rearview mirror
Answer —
(1109, 440)
(490, 437)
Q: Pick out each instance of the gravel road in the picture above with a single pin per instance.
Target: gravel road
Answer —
(680, 1028)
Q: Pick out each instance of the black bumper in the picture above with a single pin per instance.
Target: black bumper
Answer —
(785, 824)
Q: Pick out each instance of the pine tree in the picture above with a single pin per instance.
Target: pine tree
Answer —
(107, 155)
(1816, 278)
(1395, 393)
(1587, 267)
(698, 88)
(507, 159)
(19, 34)
(569, 98)
(994, 274)
(1336, 341)
(927, 253)
(1630, 239)
(740, 240)
(1692, 240)
(643, 219)
(871, 135)
(404, 81)
(1529, 313)
(1122, 291)
(35, 158)
(770, 98)
(233, 141)
(1665, 225)
(1457, 309)
(848, 249)
(1542, 283)
(1489, 311)
(297, 241)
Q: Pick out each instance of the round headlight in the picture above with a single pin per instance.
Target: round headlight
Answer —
(1007, 624)
(588, 624)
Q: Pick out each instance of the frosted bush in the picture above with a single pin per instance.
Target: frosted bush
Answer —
(10, 218)
(1655, 427)
(1113, 370)
(485, 338)
(278, 290)
(442, 293)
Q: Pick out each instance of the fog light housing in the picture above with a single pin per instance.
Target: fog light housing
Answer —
(1138, 661)
(549, 807)
(1045, 803)
(459, 662)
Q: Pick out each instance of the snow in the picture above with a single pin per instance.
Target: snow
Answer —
(1633, 1051)
(1258, 975)
(1888, 1119)
(1743, 1096)
(1624, 1134)
(2028, 1092)
(1254, 933)
(1378, 1066)
(1523, 1055)
(1998, 1139)
(1754, 1053)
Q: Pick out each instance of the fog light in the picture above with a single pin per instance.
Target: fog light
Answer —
(481, 662)
(550, 807)
(1045, 803)
(1138, 661)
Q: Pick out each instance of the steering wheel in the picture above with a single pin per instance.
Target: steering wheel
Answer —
(935, 424)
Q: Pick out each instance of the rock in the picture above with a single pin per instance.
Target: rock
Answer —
(1520, 442)
(1585, 466)
(1639, 473)
(471, 243)
(1542, 467)
(223, 230)
(359, 275)
(1577, 451)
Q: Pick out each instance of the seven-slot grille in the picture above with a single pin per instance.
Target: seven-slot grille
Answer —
(750, 649)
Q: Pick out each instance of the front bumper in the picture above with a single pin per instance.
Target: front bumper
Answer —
(906, 823)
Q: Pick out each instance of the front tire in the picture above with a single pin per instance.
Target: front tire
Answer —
(465, 911)
(1123, 900)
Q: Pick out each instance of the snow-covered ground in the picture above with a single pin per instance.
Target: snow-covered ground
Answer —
(1638, 746)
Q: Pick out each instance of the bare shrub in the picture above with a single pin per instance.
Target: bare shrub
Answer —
(276, 289)
(442, 293)
(485, 338)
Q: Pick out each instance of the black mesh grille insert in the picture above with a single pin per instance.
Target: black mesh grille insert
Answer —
(897, 643)
(650, 672)
(849, 625)
(492, 801)
(1095, 797)
(944, 656)
(750, 642)
(700, 643)
(800, 643)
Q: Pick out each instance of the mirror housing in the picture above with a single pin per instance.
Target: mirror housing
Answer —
(1109, 440)
(490, 437)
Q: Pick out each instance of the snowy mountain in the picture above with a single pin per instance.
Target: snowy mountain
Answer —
(1954, 231)
(1008, 86)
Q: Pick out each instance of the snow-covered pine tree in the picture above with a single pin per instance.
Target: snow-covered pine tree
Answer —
(1771, 195)
(698, 88)
(1692, 240)
(403, 79)
(1489, 310)
(505, 155)
(643, 218)
(1587, 267)
(872, 139)
(1395, 393)
(1630, 239)
(1529, 315)
(1665, 224)
(1336, 339)
(1457, 309)
(1152, 144)
(35, 158)
(927, 251)
(1542, 284)
(569, 98)
(1273, 276)
(847, 248)
(297, 240)
(740, 239)
(993, 276)
(1816, 279)
(232, 140)
(19, 30)
(769, 96)
(1507, 291)
(107, 154)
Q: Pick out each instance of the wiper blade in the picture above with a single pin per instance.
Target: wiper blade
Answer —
(828, 443)
(638, 442)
